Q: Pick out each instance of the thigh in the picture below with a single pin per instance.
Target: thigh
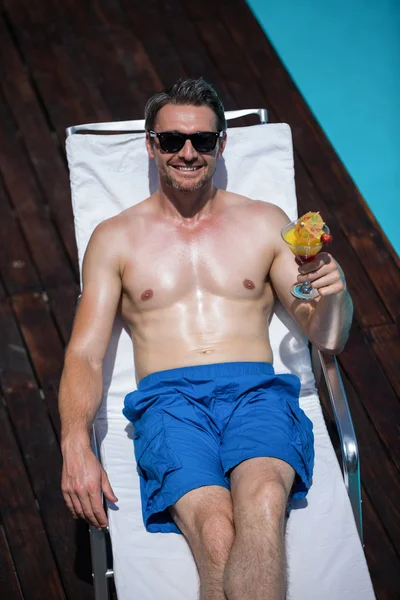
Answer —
(269, 423)
(176, 452)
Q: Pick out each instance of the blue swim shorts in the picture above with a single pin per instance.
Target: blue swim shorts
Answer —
(193, 425)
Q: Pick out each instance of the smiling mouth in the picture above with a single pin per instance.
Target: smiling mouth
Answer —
(187, 169)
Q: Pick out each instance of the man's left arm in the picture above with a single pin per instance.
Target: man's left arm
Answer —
(326, 320)
(329, 323)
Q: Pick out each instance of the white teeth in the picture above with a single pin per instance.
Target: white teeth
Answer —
(187, 168)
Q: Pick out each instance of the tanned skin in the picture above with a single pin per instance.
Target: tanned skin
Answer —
(193, 271)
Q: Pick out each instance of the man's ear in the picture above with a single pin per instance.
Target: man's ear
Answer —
(149, 145)
(222, 144)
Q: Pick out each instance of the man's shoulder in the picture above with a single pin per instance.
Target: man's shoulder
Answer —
(124, 221)
(258, 208)
(107, 231)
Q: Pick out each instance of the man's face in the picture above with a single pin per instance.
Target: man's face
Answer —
(186, 170)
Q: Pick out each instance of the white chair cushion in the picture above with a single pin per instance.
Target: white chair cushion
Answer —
(325, 559)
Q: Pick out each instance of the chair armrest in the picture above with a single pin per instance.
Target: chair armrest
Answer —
(95, 448)
(347, 436)
(98, 546)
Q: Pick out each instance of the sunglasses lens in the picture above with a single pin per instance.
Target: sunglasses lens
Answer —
(171, 142)
(204, 142)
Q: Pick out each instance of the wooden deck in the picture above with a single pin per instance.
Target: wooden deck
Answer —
(65, 62)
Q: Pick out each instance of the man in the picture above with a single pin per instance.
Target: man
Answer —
(220, 441)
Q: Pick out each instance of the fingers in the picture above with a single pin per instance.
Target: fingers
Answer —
(323, 258)
(92, 505)
(93, 509)
(70, 505)
(77, 507)
(107, 489)
(331, 284)
(84, 500)
(325, 270)
(83, 479)
(74, 505)
(87, 506)
(326, 275)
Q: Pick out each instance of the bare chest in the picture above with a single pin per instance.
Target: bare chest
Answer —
(166, 267)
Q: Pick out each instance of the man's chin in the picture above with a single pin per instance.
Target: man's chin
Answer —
(187, 186)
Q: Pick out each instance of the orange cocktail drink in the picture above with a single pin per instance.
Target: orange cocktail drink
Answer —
(306, 237)
(303, 254)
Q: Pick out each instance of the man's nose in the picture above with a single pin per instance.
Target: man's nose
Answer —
(187, 152)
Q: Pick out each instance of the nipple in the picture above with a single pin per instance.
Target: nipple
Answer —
(147, 294)
(249, 284)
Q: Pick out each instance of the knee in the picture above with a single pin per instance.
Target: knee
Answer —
(216, 535)
(268, 500)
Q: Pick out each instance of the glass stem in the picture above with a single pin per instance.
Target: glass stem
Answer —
(306, 287)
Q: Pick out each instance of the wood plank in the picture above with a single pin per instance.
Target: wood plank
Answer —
(146, 24)
(334, 182)
(184, 36)
(123, 97)
(67, 92)
(385, 341)
(44, 345)
(9, 585)
(69, 540)
(16, 267)
(197, 62)
(26, 198)
(179, 32)
(235, 73)
(34, 561)
(229, 60)
(41, 454)
(369, 308)
(132, 53)
(15, 366)
(44, 151)
(383, 562)
(362, 368)
(3, 293)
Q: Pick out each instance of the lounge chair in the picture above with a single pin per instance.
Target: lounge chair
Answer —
(324, 531)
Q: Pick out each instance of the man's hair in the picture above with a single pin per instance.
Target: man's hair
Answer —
(186, 92)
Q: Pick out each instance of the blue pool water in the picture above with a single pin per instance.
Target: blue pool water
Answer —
(345, 59)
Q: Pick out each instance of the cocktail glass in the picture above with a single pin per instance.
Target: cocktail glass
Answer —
(303, 254)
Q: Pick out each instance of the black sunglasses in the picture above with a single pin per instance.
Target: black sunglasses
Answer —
(202, 141)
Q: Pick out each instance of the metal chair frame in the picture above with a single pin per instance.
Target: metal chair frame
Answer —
(322, 362)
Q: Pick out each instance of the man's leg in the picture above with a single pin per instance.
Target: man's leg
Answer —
(256, 567)
(204, 516)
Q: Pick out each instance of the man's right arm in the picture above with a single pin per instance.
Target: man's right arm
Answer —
(82, 378)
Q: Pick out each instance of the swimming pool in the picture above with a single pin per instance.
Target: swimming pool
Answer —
(345, 59)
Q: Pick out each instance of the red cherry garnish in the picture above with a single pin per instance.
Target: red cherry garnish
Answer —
(326, 238)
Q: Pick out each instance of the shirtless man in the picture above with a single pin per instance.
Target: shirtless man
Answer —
(220, 440)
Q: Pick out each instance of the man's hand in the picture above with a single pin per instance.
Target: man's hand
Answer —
(83, 478)
(325, 275)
